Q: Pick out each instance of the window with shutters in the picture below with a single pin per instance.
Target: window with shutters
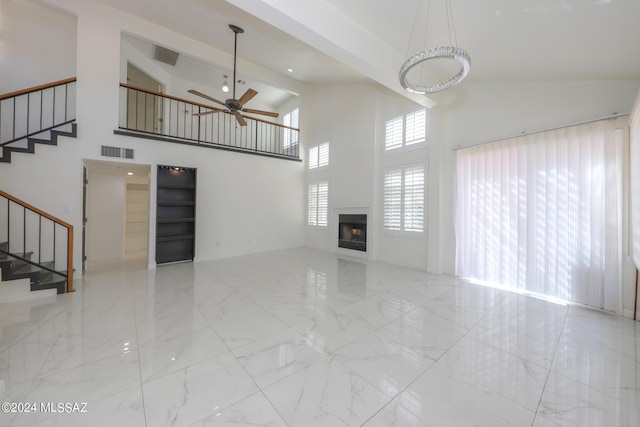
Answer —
(393, 133)
(319, 156)
(407, 130)
(290, 135)
(404, 199)
(318, 204)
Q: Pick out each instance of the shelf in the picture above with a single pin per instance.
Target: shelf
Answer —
(174, 220)
(176, 203)
(173, 238)
(178, 186)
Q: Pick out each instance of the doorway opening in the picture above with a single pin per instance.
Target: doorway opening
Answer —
(144, 112)
(116, 212)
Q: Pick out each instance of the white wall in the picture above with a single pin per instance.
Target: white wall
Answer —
(25, 60)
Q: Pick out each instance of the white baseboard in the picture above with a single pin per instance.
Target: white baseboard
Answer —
(19, 290)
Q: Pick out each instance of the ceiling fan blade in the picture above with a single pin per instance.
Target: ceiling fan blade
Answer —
(250, 93)
(240, 119)
(264, 113)
(195, 92)
(206, 112)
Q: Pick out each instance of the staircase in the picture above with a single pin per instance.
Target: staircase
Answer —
(28, 144)
(40, 276)
(35, 247)
(37, 115)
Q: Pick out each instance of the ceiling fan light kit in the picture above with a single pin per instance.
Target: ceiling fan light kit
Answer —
(225, 85)
(234, 106)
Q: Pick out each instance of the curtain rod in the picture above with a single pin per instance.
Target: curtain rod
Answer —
(612, 116)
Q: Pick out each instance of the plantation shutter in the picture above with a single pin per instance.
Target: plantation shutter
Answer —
(323, 156)
(393, 134)
(313, 205)
(416, 127)
(392, 200)
(414, 199)
(313, 157)
(323, 203)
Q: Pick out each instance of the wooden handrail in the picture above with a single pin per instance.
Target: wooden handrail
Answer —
(34, 209)
(164, 95)
(36, 88)
(65, 224)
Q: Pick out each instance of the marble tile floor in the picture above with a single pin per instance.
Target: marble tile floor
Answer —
(308, 338)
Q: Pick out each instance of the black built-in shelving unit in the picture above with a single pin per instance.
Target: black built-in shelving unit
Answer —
(175, 214)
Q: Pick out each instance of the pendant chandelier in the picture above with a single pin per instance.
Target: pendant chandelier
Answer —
(441, 52)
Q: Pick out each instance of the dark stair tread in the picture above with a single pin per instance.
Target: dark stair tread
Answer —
(50, 280)
(17, 256)
(44, 141)
(29, 149)
(21, 270)
(24, 267)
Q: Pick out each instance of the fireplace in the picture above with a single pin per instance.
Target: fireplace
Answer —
(352, 232)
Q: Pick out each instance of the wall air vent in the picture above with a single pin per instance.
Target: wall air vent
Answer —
(123, 153)
(165, 55)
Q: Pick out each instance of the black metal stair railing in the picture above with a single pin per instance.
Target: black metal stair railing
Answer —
(159, 116)
(32, 111)
(35, 244)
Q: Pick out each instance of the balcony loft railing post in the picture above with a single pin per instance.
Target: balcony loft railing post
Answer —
(66, 100)
(41, 108)
(14, 118)
(24, 231)
(8, 223)
(40, 239)
(199, 122)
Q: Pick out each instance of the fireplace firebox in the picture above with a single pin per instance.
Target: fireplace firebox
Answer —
(352, 232)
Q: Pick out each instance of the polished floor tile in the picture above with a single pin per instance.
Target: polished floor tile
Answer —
(274, 357)
(308, 338)
(196, 392)
(325, 393)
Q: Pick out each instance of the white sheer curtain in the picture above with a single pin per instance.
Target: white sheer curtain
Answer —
(541, 213)
(635, 181)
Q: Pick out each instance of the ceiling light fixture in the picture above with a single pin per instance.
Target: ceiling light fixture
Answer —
(441, 52)
(225, 85)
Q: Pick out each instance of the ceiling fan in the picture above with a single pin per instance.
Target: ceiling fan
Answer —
(234, 106)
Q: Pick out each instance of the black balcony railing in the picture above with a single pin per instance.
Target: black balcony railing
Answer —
(32, 111)
(174, 119)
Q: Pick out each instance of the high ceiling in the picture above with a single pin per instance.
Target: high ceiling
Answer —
(337, 40)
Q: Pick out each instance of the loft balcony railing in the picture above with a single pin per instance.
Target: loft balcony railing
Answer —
(159, 116)
(37, 238)
(29, 112)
